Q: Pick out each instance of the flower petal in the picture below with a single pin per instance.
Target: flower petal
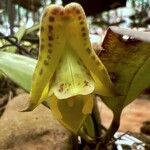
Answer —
(52, 44)
(100, 89)
(72, 112)
(71, 77)
(80, 42)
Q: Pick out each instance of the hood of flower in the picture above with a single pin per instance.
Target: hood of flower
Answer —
(71, 77)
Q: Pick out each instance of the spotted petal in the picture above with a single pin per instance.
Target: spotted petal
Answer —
(80, 43)
(52, 44)
(72, 78)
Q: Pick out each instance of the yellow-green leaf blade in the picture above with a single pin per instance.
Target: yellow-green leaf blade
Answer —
(18, 68)
(140, 82)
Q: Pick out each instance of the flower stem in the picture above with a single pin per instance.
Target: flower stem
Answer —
(112, 129)
(110, 132)
(96, 118)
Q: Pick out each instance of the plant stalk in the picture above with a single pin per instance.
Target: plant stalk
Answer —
(112, 129)
(96, 119)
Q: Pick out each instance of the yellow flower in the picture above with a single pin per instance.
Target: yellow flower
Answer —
(68, 71)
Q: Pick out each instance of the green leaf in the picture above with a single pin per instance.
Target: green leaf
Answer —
(127, 59)
(18, 68)
(128, 62)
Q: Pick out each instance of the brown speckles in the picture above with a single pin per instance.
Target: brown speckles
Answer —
(83, 34)
(86, 83)
(73, 8)
(80, 17)
(61, 87)
(49, 45)
(77, 11)
(51, 19)
(41, 71)
(50, 28)
(50, 51)
(83, 29)
(57, 11)
(62, 13)
(68, 11)
(88, 50)
(50, 37)
(88, 73)
(85, 39)
(48, 57)
(46, 62)
(81, 22)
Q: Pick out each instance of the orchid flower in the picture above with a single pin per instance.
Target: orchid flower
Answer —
(68, 72)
